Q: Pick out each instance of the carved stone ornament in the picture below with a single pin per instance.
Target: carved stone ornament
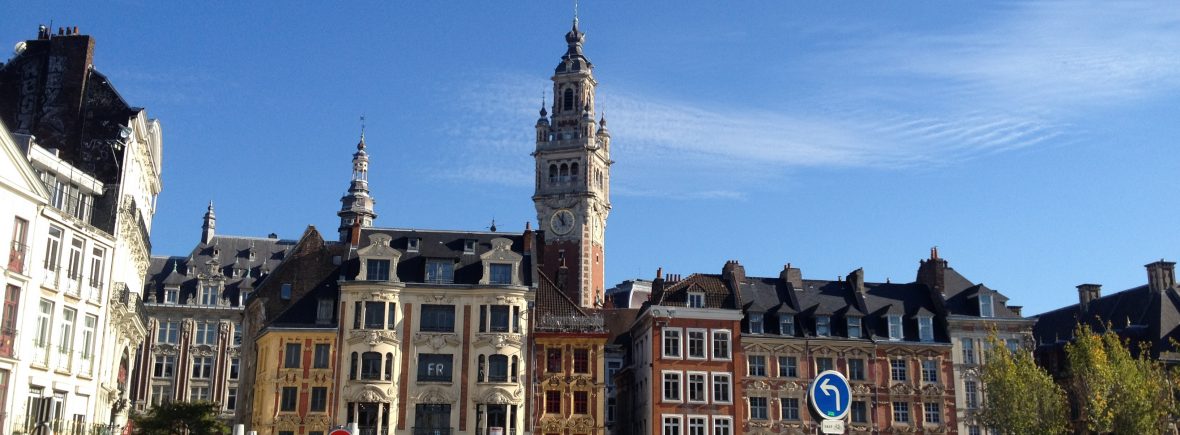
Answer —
(932, 390)
(287, 420)
(861, 389)
(434, 396)
(500, 340)
(436, 340)
(901, 389)
(759, 385)
(202, 350)
(164, 349)
(582, 424)
(899, 428)
(437, 298)
(791, 387)
(551, 424)
(370, 393)
(501, 396)
(373, 337)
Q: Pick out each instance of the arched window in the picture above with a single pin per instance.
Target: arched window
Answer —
(567, 99)
(552, 174)
(515, 369)
(389, 366)
(352, 367)
(574, 172)
(565, 173)
(479, 376)
(371, 366)
(498, 368)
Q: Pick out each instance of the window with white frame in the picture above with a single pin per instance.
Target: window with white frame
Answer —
(721, 345)
(672, 386)
(897, 370)
(202, 367)
(722, 426)
(786, 324)
(985, 305)
(171, 295)
(788, 367)
(696, 388)
(758, 408)
(790, 408)
(44, 322)
(901, 412)
(199, 394)
(971, 390)
(895, 331)
(89, 326)
(672, 425)
(925, 328)
(167, 332)
(933, 413)
(96, 267)
(697, 424)
(53, 249)
(859, 411)
(65, 337)
(823, 364)
(165, 366)
(854, 327)
(856, 369)
(755, 323)
(930, 371)
(206, 333)
(756, 365)
(671, 342)
(696, 344)
(968, 351)
(696, 300)
(208, 294)
(161, 394)
(722, 388)
(823, 326)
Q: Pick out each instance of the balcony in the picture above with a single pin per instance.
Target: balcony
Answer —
(7, 342)
(18, 259)
(429, 431)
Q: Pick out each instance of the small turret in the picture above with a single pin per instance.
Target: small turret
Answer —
(209, 225)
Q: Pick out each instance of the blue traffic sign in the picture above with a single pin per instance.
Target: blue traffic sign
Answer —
(830, 395)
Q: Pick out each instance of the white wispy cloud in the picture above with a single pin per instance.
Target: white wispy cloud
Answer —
(1013, 82)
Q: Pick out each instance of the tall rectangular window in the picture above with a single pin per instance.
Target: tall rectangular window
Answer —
(696, 344)
(786, 324)
(823, 326)
(8, 320)
(53, 249)
(968, 351)
(65, 336)
(860, 412)
(553, 360)
(20, 247)
(901, 412)
(89, 327)
(696, 425)
(755, 323)
(930, 371)
(440, 271)
(581, 360)
(672, 425)
(788, 367)
(44, 320)
(854, 327)
(325, 311)
(96, 267)
(319, 399)
(895, 331)
(552, 402)
(374, 315)
(897, 370)
(501, 274)
(720, 344)
(581, 402)
(925, 328)
(985, 305)
(722, 426)
(790, 408)
(209, 294)
(823, 364)
(756, 365)
(231, 398)
(376, 270)
(290, 398)
(856, 369)
(292, 354)
(74, 267)
(696, 388)
(758, 408)
(235, 367)
(722, 392)
(323, 352)
(438, 318)
(971, 390)
(671, 386)
(671, 343)
(933, 413)
(499, 318)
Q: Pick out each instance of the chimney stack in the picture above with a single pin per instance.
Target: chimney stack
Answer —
(1161, 275)
(792, 276)
(734, 274)
(1087, 293)
(856, 280)
(1015, 309)
(932, 272)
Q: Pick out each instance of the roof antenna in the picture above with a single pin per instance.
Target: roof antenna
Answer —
(362, 126)
(493, 227)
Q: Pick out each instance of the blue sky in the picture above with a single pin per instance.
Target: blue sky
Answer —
(1031, 142)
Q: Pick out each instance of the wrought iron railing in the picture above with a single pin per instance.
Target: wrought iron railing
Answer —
(18, 257)
(431, 431)
(585, 323)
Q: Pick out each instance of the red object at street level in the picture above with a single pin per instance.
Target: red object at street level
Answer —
(340, 432)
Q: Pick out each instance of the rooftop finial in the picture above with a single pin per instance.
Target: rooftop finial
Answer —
(493, 227)
(575, 13)
(361, 144)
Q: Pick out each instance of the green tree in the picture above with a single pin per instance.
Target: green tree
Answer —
(1116, 392)
(180, 418)
(1021, 397)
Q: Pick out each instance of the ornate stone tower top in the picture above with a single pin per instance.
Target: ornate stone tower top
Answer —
(572, 194)
(209, 225)
(356, 206)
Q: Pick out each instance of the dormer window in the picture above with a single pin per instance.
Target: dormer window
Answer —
(985, 305)
(412, 244)
(440, 271)
(894, 326)
(926, 328)
(786, 324)
(469, 246)
(378, 261)
(823, 326)
(285, 291)
(501, 273)
(501, 265)
(854, 327)
(756, 323)
(696, 300)
(376, 270)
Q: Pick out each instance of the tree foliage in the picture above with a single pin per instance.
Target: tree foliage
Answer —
(180, 418)
(1116, 392)
(1021, 397)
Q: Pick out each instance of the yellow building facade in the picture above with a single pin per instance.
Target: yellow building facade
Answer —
(294, 390)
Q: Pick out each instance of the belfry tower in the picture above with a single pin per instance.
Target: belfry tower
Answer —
(356, 206)
(572, 192)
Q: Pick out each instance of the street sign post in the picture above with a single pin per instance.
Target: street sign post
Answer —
(831, 426)
(830, 395)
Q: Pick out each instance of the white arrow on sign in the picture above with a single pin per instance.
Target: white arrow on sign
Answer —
(830, 390)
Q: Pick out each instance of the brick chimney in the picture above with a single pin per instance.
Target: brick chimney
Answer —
(734, 274)
(1087, 293)
(1161, 275)
(792, 276)
(932, 272)
(856, 280)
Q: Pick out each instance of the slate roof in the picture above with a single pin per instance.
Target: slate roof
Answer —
(443, 244)
(313, 274)
(717, 292)
(552, 302)
(962, 297)
(1138, 313)
(225, 256)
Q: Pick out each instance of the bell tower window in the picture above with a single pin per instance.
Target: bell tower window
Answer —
(552, 174)
(567, 99)
(565, 173)
(574, 173)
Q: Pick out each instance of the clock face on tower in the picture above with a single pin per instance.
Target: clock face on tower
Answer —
(562, 221)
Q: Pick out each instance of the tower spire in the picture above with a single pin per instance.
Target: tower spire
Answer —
(209, 225)
(356, 206)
